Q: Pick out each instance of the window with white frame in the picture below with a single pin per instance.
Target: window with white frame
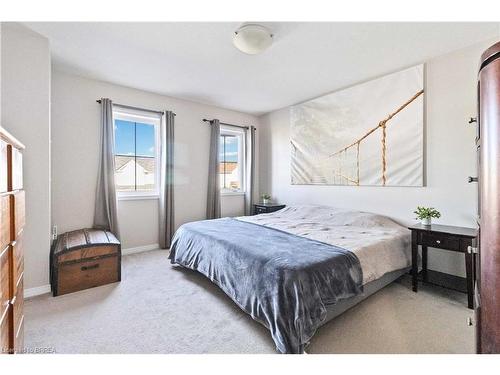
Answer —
(232, 160)
(137, 151)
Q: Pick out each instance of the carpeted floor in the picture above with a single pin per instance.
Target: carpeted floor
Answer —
(158, 308)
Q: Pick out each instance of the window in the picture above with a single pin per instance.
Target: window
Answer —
(231, 168)
(136, 153)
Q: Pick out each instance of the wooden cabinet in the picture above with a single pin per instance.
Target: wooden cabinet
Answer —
(487, 301)
(12, 220)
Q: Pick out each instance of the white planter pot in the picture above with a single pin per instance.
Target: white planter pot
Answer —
(426, 221)
(266, 201)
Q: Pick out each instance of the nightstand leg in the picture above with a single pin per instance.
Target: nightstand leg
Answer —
(470, 281)
(424, 263)
(414, 261)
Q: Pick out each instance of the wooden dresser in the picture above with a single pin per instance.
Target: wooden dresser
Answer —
(11, 248)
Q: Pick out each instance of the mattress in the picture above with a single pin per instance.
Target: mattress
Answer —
(381, 245)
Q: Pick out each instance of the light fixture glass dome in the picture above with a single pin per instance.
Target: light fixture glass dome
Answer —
(252, 38)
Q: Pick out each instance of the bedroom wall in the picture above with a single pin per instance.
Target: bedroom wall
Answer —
(75, 135)
(449, 158)
(25, 113)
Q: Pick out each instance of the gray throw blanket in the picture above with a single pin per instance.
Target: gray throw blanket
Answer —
(282, 280)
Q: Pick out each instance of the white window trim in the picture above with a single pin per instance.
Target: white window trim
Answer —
(241, 158)
(148, 118)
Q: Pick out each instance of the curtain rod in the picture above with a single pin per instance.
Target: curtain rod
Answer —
(225, 123)
(137, 108)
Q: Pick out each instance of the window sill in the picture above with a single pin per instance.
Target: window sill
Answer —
(136, 197)
(229, 193)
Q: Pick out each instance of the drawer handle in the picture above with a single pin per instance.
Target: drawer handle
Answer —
(438, 241)
(92, 267)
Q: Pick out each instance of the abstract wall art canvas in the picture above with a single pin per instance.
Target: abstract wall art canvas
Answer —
(368, 134)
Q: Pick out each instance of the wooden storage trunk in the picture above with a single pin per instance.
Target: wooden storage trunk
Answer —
(84, 259)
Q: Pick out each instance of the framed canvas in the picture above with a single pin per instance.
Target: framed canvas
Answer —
(368, 134)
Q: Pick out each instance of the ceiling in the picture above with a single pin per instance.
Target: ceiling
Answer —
(197, 61)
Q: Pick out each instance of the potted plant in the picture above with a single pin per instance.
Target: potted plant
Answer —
(425, 214)
(266, 198)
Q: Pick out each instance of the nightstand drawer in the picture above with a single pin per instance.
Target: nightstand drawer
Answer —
(260, 210)
(267, 208)
(440, 241)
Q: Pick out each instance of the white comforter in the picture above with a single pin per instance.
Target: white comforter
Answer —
(380, 244)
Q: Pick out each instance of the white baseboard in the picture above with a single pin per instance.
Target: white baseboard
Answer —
(140, 249)
(36, 291)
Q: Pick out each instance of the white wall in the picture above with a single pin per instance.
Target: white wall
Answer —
(75, 135)
(25, 102)
(449, 158)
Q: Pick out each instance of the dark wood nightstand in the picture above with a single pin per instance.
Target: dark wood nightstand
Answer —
(445, 237)
(261, 208)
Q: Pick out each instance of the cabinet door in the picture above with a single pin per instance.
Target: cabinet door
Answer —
(3, 166)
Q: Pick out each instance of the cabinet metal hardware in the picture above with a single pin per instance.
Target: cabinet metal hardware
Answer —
(472, 250)
(86, 268)
(470, 322)
(471, 179)
(472, 120)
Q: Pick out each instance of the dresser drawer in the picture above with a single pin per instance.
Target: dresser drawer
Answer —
(3, 166)
(441, 241)
(4, 279)
(19, 213)
(260, 210)
(4, 221)
(18, 305)
(16, 172)
(18, 259)
(5, 323)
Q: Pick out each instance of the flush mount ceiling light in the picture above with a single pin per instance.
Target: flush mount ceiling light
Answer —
(252, 38)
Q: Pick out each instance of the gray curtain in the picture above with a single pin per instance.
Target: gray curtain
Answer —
(213, 191)
(166, 179)
(105, 214)
(250, 172)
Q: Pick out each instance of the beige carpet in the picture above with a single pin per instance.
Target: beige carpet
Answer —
(158, 308)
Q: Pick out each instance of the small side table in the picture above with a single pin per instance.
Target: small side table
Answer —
(445, 237)
(261, 208)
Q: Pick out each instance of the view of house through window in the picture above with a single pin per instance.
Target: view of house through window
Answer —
(136, 154)
(231, 160)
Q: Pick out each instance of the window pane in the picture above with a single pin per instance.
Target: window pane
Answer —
(230, 176)
(145, 173)
(135, 154)
(145, 139)
(124, 137)
(125, 173)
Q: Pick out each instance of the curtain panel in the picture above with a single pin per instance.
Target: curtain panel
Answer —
(250, 170)
(213, 190)
(105, 213)
(167, 218)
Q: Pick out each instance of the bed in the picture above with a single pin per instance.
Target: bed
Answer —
(295, 269)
